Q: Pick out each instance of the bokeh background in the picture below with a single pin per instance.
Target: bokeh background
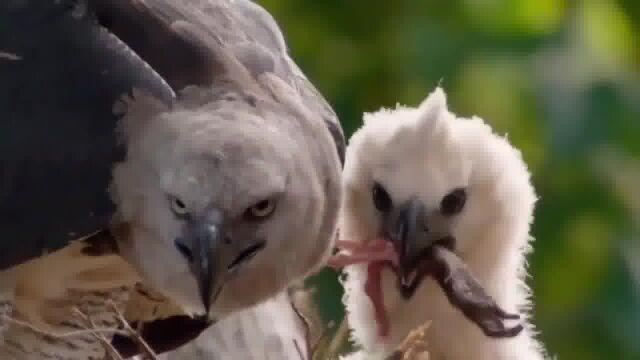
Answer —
(562, 78)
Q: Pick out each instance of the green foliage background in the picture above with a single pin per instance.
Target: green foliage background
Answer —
(562, 78)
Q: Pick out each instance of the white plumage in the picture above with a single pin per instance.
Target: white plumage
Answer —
(426, 152)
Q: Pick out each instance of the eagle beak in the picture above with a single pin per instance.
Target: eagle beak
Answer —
(208, 255)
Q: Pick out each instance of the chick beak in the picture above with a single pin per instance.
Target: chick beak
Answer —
(405, 230)
(413, 232)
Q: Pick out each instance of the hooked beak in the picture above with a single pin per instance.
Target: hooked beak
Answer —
(203, 245)
(425, 247)
(414, 232)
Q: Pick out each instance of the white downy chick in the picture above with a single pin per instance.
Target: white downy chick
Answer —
(424, 181)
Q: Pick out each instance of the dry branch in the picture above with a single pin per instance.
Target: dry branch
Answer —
(414, 346)
(147, 352)
(90, 328)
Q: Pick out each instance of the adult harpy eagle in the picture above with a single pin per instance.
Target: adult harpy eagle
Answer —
(210, 184)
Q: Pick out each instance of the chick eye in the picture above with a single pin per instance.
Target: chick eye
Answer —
(381, 198)
(178, 207)
(261, 210)
(453, 202)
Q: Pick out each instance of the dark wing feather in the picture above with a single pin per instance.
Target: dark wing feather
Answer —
(60, 76)
(146, 28)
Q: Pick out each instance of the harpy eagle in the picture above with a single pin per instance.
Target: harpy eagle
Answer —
(178, 134)
(435, 220)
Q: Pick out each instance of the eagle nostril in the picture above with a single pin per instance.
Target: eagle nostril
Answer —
(184, 250)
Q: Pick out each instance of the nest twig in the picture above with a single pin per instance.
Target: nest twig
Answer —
(146, 352)
(100, 333)
(112, 353)
(414, 346)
